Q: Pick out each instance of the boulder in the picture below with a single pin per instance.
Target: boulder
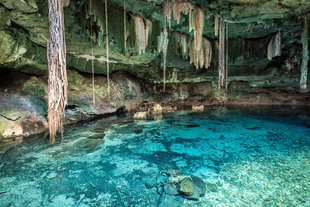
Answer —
(97, 136)
(138, 131)
(199, 188)
(198, 107)
(186, 186)
(192, 187)
(171, 189)
(21, 115)
(140, 115)
(170, 200)
(157, 109)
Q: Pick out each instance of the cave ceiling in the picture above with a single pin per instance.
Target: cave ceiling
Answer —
(247, 19)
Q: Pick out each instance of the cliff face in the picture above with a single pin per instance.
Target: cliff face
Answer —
(252, 77)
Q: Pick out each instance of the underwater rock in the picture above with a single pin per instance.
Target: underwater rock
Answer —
(212, 187)
(171, 189)
(169, 109)
(198, 108)
(173, 172)
(161, 180)
(97, 136)
(140, 115)
(186, 186)
(138, 131)
(199, 188)
(192, 125)
(157, 109)
(98, 130)
(253, 128)
(170, 200)
(191, 187)
(150, 183)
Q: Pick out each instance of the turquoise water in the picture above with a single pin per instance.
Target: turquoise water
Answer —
(258, 157)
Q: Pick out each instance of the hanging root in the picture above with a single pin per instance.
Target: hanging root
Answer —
(167, 18)
(125, 29)
(57, 75)
(165, 47)
(107, 44)
(92, 54)
(221, 53)
(226, 69)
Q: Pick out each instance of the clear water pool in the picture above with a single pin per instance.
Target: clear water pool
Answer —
(246, 158)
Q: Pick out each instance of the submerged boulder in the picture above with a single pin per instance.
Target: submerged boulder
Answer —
(199, 188)
(186, 186)
(97, 136)
(140, 115)
(138, 131)
(170, 200)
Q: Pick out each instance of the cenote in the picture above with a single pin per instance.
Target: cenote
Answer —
(156, 103)
(257, 157)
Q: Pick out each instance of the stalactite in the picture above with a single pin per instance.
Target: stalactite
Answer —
(180, 6)
(278, 44)
(202, 57)
(167, 11)
(181, 44)
(148, 30)
(107, 44)
(143, 28)
(206, 45)
(177, 9)
(305, 55)
(125, 29)
(57, 75)
(274, 46)
(221, 52)
(96, 11)
(216, 25)
(190, 20)
(184, 46)
(160, 42)
(198, 24)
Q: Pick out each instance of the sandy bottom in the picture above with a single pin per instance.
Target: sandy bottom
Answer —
(246, 158)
